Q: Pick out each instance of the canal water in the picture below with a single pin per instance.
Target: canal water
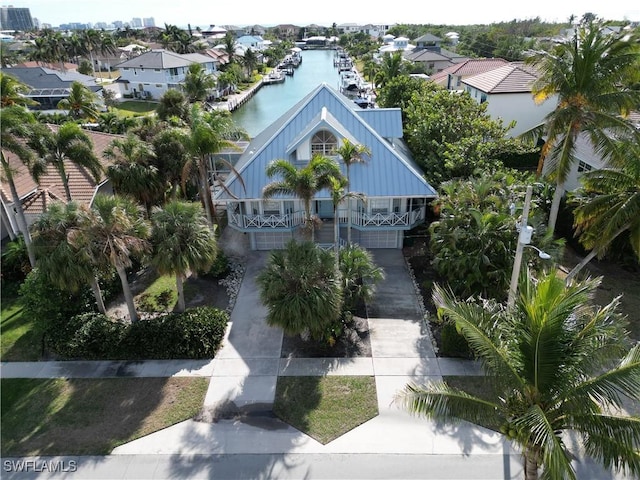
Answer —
(271, 101)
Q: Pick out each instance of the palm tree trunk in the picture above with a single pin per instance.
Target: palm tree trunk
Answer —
(180, 287)
(555, 206)
(530, 465)
(97, 293)
(67, 190)
(336, 234)
(590, 257)
(22, 222)
(204, 190)
(127, 294)
(348, 209)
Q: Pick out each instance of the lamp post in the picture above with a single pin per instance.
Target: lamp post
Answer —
(524, 239)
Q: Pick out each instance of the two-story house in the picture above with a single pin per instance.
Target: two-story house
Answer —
(152, 73)
(396, 191)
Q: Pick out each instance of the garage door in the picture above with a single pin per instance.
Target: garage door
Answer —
(271, 240)
(380, 239)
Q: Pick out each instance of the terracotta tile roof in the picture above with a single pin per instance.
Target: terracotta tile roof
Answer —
(467, 68)
(36, 197)
(512, 78)
(53, 66)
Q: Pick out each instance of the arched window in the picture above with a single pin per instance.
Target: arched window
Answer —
(323, 143)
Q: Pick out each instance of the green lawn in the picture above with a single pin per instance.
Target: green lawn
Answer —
(132, 108)
(91, 416)
(20, 337)
(325, 407)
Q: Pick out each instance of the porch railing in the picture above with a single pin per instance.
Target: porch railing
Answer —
(288, 220)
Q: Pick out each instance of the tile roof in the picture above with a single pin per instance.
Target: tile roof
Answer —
(427, 37)
(163, 59)
(511, 78)
(47, 78)
(81, 183)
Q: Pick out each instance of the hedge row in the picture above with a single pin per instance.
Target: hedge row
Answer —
(197, 333)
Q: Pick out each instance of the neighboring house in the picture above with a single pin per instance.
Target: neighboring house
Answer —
(49, 86)
(451, 77)
(396, 191)
(507, 90)
(62, 67)
(399, 44)
(429, 42)
(152, 73)
(37, 197)
(254, 42)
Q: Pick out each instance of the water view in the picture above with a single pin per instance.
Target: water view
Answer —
(274, 100)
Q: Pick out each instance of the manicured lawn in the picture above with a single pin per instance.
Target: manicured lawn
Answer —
(325, 407)
(91, 416)
(135, 107)
(20, 337)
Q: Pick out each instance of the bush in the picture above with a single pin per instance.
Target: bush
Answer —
(452, 343)
(15, 261)
(220, 267)
(197, 333)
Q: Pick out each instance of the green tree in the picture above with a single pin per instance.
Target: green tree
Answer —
(12, 91)
(303, 183)
(590, 76)
(391, 67)
(64, 266)
(173, 103)
(197, 83)
(112, 231)
(608, 206)
(182, 243)
(300, 286)
(133, 173)
(337, 188)
(359, 275)
(350, 154)
(81, 102)
(250, 61)
(170, 156)
(67, 144)
(557, 363)
(16, 126)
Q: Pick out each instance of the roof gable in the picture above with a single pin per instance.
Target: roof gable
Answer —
(390, 172)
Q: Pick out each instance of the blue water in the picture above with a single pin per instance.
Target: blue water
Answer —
(271, 101)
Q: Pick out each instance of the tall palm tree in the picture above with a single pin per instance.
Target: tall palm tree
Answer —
(133, 173)
(589, 74)
(173, 103)
(91, 42)
(558, 365)
(230, 44)
(113, 231)
(338, 195)
(65, 266)
(66, 144)
(209, 132)
(250, 60)
(359, 275)
(170, 156)
(609, 205)
(182, 243)
(390, 67)
(12, 90)
(81, 102)
(16, 126)
(351, 153)
(303, 183)
(300, 286)
(197, 83)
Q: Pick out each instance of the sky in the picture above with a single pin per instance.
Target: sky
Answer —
(303, 12)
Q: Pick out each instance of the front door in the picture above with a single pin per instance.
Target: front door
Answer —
(324, 208)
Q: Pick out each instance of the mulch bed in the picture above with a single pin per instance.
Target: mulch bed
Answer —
(354, 342)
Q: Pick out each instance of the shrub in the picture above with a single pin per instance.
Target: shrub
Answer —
(220, 267)
(452, 343)
(15, 261)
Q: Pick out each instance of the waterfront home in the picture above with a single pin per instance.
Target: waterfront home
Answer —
(253, 42)
(152, 73)
(396, 191)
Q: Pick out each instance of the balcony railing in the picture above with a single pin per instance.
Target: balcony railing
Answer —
(358, 219)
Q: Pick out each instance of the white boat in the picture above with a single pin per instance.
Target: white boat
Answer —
(275, 76)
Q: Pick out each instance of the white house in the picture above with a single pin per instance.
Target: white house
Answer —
(399, 44)
(396, 191)
(507, 90)
(152, 73)
(254, 42)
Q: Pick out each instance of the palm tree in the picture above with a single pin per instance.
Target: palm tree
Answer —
(173, 103)
(558, 365)
(16, 126)
(229, 42)
(359, 275)
(198, 82)
(182, 243)
(170, 156)
(133, 173)
(391, 67)
(81, 102)
(12, 90)
(304, 183)
(338, 195)
(209, 132)
(589, 75)
(66, 144)
(250, 60)
(64, 266)
(350, 154)
(608, 205)
(112, 231)
(300, 287)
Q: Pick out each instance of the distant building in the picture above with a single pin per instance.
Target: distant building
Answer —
(148, 22)
(117, 24)
(15, 19)
(136, 23)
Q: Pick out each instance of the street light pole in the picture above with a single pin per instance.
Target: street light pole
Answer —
(523, 238)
